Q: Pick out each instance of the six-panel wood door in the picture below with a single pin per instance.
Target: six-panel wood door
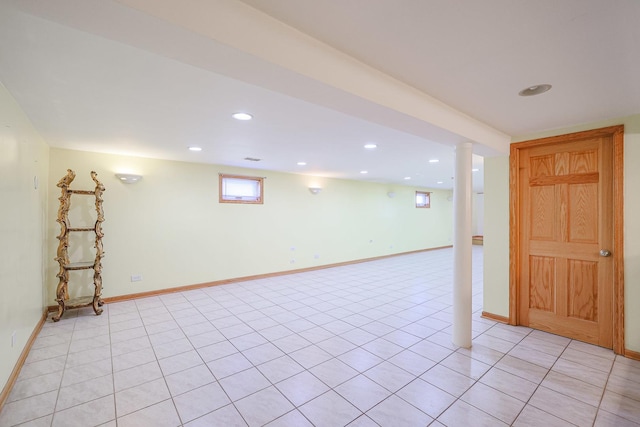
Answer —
(566, 219)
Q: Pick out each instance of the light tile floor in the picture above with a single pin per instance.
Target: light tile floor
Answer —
(361, 345)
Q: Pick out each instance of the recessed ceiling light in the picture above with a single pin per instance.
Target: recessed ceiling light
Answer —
(242, 116)
(433, 160)
(475, 170)
(371, 146)
(407, 178)
(195, 148)
(364, 172)
(302, 163)
(440, 182)
(534, 90)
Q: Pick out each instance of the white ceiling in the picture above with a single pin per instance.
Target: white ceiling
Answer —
(152, 77)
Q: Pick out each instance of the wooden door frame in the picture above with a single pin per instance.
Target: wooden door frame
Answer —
(617, 134)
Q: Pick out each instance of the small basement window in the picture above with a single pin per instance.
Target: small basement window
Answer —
(241, 189)
(423, 199)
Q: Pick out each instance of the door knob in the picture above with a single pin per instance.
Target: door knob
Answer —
(604, 252)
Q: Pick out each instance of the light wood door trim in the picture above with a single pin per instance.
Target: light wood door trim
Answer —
(617, 135)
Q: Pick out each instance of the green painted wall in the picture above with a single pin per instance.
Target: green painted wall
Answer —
(24, 157)
(496, 236)
(170, 228)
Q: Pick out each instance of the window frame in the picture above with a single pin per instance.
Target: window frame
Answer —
(427, 195)
(258, 179)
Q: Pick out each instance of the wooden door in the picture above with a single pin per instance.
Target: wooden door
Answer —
(566, 215)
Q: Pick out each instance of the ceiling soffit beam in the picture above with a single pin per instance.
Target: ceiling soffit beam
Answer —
(246, 29)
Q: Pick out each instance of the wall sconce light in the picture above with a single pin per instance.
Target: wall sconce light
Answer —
(128, 178)
(391, 194)
(315, 190)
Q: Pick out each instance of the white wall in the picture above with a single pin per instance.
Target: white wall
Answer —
(23, 158)
(496, 266)
(171, 229)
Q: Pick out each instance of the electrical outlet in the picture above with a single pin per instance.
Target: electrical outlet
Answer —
(316, 256)
(136, 277)
(13, 338)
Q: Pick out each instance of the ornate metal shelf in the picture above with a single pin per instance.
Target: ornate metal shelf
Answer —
(62, 291)
(85, 192)
(79, 302)
(79, 266)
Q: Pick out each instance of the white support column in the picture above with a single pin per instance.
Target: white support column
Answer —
(462, 247)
